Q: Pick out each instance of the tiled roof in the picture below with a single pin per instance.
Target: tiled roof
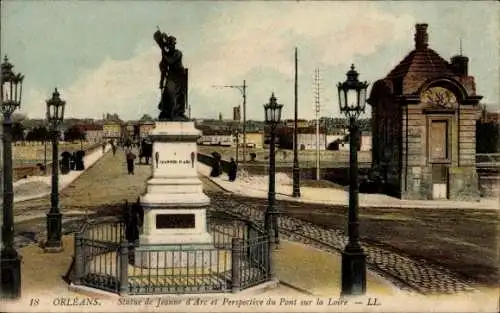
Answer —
(417, 67)
(422, 62)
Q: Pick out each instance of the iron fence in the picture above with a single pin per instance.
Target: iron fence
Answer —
(255, 259)
(238, 258)
(97, 248)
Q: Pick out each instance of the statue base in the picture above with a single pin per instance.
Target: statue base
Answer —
(174, 204)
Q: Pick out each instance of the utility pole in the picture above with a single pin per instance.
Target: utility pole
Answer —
(296, 169)
(243, 90)
(317, 107)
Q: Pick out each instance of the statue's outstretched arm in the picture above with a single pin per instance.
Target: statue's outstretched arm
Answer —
(157, 36)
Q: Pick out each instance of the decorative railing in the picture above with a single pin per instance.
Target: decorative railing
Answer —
(239, 258)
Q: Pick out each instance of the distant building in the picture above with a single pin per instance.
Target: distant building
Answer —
(145, 129)
(254, 139)
(217, 140)
(236, 113)
(128, 131)
(112, 130)
(341, 142)
(301, 123)
(307, 141)
(366, 141)
(93, 132)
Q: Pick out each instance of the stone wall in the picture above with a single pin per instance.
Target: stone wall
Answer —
(464, 184)
(19, 172)
(339, 175)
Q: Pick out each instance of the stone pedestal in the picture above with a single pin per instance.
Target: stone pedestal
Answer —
(174, 203)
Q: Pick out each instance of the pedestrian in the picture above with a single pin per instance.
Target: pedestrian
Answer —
(216, 165)
(233, 169)
(113, 147)
(72, 161)
(130, 162)
(103, 147)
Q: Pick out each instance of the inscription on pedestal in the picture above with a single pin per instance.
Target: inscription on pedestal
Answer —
(175, 221)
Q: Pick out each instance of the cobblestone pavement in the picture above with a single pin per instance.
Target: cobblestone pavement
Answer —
(407, 273)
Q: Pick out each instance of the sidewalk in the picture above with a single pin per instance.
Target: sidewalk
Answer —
(256, 186)
(35, 187)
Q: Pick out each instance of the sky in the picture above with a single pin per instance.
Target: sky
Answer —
(102, 57)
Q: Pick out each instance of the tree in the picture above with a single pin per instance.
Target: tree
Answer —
(146, 118)
(17, 131)
(74, 133)
(39, 133)
(487, 137)
(113, 117)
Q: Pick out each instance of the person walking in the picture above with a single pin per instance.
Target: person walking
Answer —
(113, 147)
(103, 147)
(233, 169)
(130, 162)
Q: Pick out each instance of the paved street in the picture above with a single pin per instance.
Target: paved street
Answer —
(421, 250)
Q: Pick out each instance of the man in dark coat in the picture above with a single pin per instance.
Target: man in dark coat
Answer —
(216, 167)
(233, 169)
(130, 162)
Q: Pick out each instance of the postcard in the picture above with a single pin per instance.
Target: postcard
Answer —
(250, 156)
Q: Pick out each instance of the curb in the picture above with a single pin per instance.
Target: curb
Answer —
(210, 178)
(94, 292)
(302, 290)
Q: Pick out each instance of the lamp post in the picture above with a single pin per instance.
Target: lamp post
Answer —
(81, 142)
(272, 117)
(55, 115)
(10, 95)
(45, 153)
(352, 101)
(243, 90)
(296, 169)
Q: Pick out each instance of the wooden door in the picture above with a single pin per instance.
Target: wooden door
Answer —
(438, 141)
(439, 158)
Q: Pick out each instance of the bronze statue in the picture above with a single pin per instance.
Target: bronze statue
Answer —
(173, 80)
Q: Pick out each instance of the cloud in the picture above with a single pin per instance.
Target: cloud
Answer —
(125, 87)
(254, 42)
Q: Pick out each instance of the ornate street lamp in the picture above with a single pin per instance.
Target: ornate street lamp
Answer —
(352, 101)
(273, 117)
(10, 95)
(55, 116)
